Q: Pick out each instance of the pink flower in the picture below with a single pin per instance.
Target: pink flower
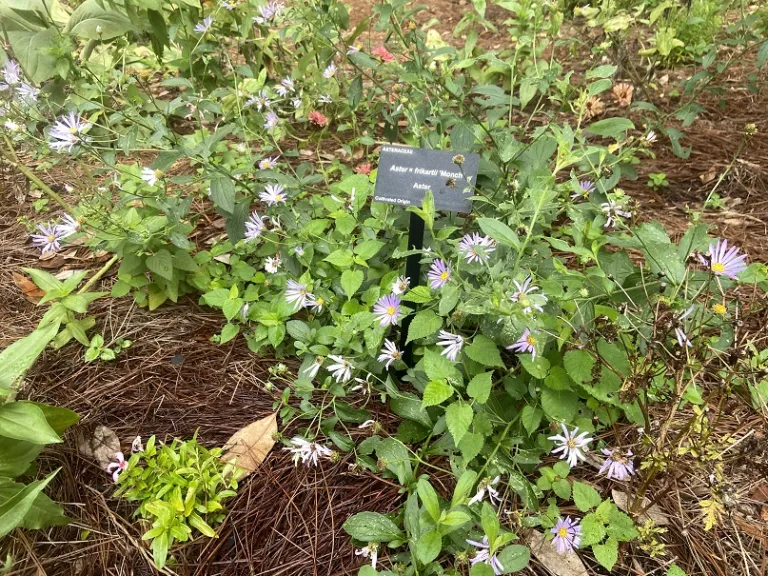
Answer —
(317, 118)
(117, 467)
(364, 168)
(384, 54)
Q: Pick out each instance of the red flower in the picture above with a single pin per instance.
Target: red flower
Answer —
(316, 117)
(364, 168)
(384, 54)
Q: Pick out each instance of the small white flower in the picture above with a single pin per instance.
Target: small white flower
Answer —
(371, 551)
(307, 452)
(11, 126)
(330, 70)
(67, 132)
(150, 176)
(296, 103)
(651, 137)
(486, 485)
(297, 294)
(452, 343)
(389, 353)
(254, 227)
(99, 29)
(137, 445)
(312, 370)
(571, 447)
(203, 26)
(400, 285)
(367, 424)
(341, 370)
(268, 163)
(272, 264)
(68, 227)
(273, 194)
(614, 212)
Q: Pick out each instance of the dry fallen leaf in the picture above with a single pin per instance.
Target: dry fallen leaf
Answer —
(557, 564)
(101, 445)
(654, 512)
(708, 176)
(28, 288)
(249, 446)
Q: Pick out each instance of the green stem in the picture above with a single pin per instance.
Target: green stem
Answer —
(95, 278)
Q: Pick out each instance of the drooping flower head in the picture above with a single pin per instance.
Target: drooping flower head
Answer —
(723, 261)
(452, 344)
(67, 132)
(486, 485)
(483, 556)
(389, 353)
(476, 248)
(341, 369)
(617, 465)
(48, 239)
(117, 468)
(526, 343)
(571, 445)
(371, 551)
(400, 285)
(567, 535)
(312, 370)
(614, 211)
(307, 452)
(297, 294)
(273, 194)
(524, 296)
(203, 26)
(439, 274)
(254, 226)
(68, 226)
(387, 310)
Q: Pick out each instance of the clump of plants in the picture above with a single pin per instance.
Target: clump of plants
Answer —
(181, 489)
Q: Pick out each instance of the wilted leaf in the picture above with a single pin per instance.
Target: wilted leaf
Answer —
(654, 512)
(557, 564)
(28, 288)
(249, 446)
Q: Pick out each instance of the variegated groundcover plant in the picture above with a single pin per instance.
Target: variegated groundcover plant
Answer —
(539, 320)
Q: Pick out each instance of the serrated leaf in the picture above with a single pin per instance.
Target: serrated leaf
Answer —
(531, 418)
(537, 367)
(436, 392)
(499, 231)
(341, 258)
(484, 351)
(585, 497)
(578, 364)
(419, 295)
(424, 324)
(607, 554)
(479, 387)
(471, 445)
(562, 405)
(592, 530)
(351, 280)
(458, 418)
(161, 263)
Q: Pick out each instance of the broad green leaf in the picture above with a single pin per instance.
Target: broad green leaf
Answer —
(15, 508)
(484, 351)
(536, 367)
(223, 193)
(372, 527)
(514, 558)
(557, 379)
(424, 324)
(351, 280)
(397, 458)
(489, 521)
(161, 263)
(25, 421)
(592, 530)
(437, 366)
(531, 418)
(99, 20)
(499, 231)
(436, 392)
(675, 570)
(579, 364)
(607, 554)
(561, 405)
(463, 487)
(341, 258)
(585, 497)
(479, 387)
(428, 546)
(429, 498)
(471, 445)
(33, 48)
(458, 418)
(19, 357)
(611, 127)
(367, 249)
(43, 513)
(419, 295)
(45, 281)
(16, 456)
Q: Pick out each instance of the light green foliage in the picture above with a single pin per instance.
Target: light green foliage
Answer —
(181, 488)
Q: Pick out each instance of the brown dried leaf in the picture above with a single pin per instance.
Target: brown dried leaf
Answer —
(557, 564)
(708, 176)
(249, 446)
(28, 288)
(101, 445)
(654, 512)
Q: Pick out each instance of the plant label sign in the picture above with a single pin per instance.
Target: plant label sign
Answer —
(405, 174)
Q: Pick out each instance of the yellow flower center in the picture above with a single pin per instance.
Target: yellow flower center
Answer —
(278, 198)
(562, 532)
(391, 310)
(719, 309)
(571, 444)
(320, 301)
(718, 268)
(73, 130)
(51, 238)
(445, 275)
(396, 354)
(531, 340)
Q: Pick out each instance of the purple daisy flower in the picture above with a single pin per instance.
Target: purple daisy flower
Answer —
(476, 248)
(439, 274)
(585, 187)
(271, 120)
(387, 310)
(452, 344)
(572, 445)
(526, 343)
(724, 262)
(48, 239)
(617, 465)
(567, 535)
(483, 556)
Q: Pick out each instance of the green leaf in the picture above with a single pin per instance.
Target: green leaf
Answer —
(15, 508)
(481, 569)
(620, 525)
(351, 280)
(479, 387)
(449, 299)
(562, 488)
(229, 332)
(424, 324)
(675, 570)
(536, 367)
(471, 445)
(557, 379)
(611, 127)
(341, 258)
(428, 546)
(592, 530)
(98, 20)
(25, 421)
(397, 457)
(223, 193)
(437, 366)
(372, 527)
(19, 357)
(762, 54)
(367, 249)
(463, 487)
(58, 418)
(45, 281)
(585, 497)
(531, 418)
(436, 392)
(419, 295)
(429, 498)
(458, 418)
(16, 456)
(514, 558)
(489, 521)
(455, 518)
(161, 263)
(607, 554)
(500, 232)
(33, 48)
(579, 364)
(562, 405)
(484, 351)
(44, 511)
(605, 71)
